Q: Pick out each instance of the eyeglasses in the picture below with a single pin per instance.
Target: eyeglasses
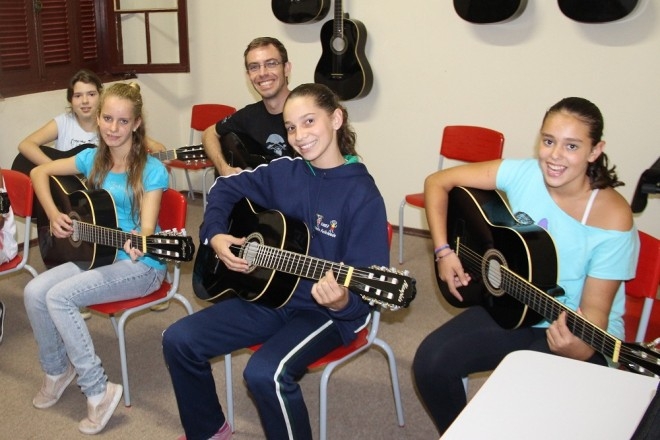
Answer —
(269, 65)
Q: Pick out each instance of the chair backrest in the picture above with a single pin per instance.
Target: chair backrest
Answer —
(647, 276)
(205, 115)
(19, 189)
(173, 210)
(470, 143)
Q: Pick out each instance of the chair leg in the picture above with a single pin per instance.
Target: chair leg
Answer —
(230, 392)
(204, 191)
(394, 375)
(182, 299)
(644, 319)
(191, 193)
(122, 357)
(401, 207)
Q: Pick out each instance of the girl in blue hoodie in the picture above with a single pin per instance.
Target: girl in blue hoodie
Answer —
(327, 188)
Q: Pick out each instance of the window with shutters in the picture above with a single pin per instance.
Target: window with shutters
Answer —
(44, 42)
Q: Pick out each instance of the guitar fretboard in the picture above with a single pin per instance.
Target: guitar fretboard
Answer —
(92, 233)
(294, 263)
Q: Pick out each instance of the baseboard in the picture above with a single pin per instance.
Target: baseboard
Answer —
(413, 231)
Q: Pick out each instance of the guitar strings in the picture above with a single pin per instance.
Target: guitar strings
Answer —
(607, 342)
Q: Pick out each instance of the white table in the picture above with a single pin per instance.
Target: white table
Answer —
(532, 395)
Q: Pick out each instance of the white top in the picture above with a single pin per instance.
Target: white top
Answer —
(70, 134)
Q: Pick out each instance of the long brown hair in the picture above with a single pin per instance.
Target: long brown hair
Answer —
(137, 156)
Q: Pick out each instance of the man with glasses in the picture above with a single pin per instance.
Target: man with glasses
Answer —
(258, 126)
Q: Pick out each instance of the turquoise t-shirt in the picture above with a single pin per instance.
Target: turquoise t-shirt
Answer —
(582, 250)
(154, 177)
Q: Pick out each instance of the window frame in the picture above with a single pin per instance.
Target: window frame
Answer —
(85, 40)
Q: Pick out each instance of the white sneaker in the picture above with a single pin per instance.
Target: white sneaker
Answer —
(99, 415)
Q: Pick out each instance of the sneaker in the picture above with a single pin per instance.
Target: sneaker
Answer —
(224, 433)
(2, 320)
(160, 306)
(85, 313)
(98, 416)
(52, 390)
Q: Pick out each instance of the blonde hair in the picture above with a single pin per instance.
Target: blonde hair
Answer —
(137, 156)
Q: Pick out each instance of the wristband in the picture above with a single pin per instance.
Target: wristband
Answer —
(439, 257)
(440, 248)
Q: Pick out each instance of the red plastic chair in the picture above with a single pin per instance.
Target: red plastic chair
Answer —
(172, 215)
(202, 117)
(21, 197)
(459, 142)
(642, 291)
(364, 340)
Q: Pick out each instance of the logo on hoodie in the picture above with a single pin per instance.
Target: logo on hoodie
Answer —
(327, 228)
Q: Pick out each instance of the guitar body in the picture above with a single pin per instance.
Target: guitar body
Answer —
(479, 222)
(597, 11)
(490, 11)
(300, 11)
(211, 278)
(72, 197)
(243, 152)
(343, 66)
(24, 165)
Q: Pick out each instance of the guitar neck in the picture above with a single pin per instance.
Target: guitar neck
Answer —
(293, 263)
(165, 155)
(550, 309)
(339, 20)
(115, 238)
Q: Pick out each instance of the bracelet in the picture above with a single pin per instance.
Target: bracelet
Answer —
(439, 257)
(440, 248)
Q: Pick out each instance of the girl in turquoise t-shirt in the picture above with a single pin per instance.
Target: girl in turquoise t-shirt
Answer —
(569, 191)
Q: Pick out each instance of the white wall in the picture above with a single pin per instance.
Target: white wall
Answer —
(431, 69)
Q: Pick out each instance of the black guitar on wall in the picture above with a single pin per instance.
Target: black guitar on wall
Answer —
(343, 66)
(513, 267)
(96, 238)
(276, 249)
(597, 11)
(489, 11)
(300, 11)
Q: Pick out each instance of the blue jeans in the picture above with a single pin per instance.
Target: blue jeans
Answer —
(292, 339)
(53, 299)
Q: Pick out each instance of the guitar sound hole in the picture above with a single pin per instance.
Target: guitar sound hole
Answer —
(250, 250)
(492, 272)
(338, 45)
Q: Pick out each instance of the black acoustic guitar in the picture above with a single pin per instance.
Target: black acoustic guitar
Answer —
(25, 165)
(300, 11)
(597, 11)
(96, 238)
(489, 11)
(243, 152)
(343, 66)
(276, 249)
(513, 267)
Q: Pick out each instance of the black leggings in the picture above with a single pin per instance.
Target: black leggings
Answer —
(469, 343)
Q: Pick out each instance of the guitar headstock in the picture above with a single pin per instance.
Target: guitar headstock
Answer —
(171, 245)
(191, 153)
(388, 287)
(641, 358)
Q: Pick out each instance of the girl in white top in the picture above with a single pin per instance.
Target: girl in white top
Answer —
(75, 127)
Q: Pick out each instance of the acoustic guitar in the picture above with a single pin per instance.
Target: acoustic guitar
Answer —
(276, 249)
(513, 267)
(300, 11)
(343, 66)
(243, 152)
(96, 238)
(489, 11)
(597, 11)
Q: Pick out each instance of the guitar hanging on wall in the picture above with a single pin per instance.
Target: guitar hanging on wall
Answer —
(597, 11)
(489, 11)
(300, 11)
(343, 67)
